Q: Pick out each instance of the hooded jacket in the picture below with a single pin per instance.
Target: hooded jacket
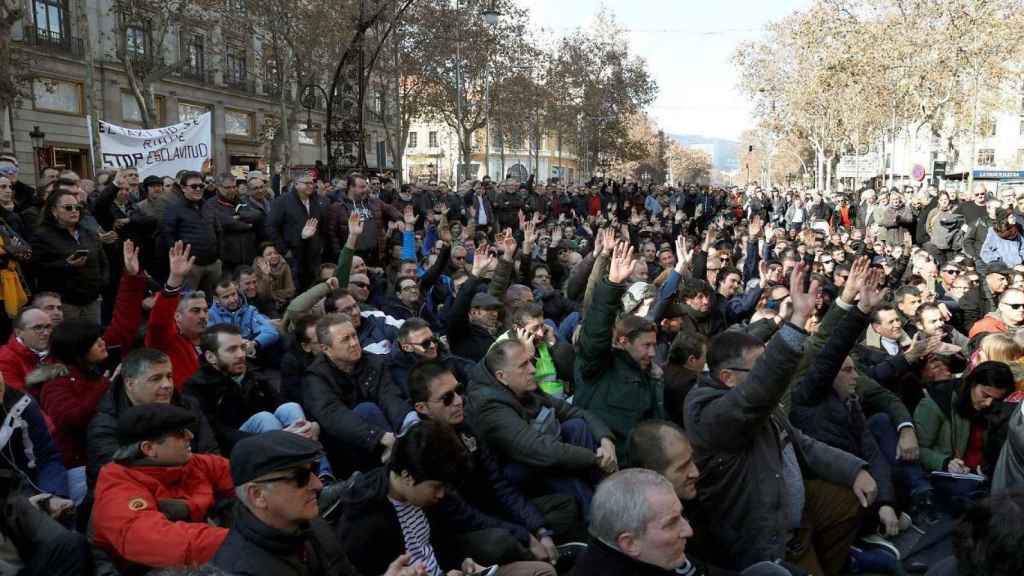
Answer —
(609, 383)
(128, 523)
(513, 425)
(16, 361)
(254, 549)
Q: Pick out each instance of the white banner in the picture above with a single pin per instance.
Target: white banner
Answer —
(159, 151)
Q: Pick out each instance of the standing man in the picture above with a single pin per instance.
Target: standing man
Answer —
(292, 227)
(238, 224)
(185, 221)
(373, 213)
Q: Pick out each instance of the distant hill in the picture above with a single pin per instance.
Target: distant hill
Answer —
(725, 154)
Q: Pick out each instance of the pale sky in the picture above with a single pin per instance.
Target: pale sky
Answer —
(688, 46)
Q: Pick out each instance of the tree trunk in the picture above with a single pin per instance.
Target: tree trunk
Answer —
(90, 86)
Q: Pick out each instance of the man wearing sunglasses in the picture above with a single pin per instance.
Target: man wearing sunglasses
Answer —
(1007, 318)
(153, 500)
(418, 343)
(278, 530)
(511, 527)
(186, 221)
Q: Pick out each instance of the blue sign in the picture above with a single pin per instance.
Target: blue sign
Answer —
(997, 174)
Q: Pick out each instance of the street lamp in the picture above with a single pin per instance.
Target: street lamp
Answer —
(310, 131)
(491, 14)
(38, 141)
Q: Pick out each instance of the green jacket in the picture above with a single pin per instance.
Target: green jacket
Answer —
(941, 431)
(874, 398)
(609, 383)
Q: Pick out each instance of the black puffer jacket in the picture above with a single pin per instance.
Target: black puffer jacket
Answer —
(254, 549)
(329, 395)
(101, 438)
(227, 404)
(51, 246)
(238, 239)
(188, 222)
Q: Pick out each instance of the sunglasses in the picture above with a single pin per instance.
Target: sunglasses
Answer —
(300, 476)
(448, 398)
(1015, 306)
(953, 272)
(194, 186)
(71, 208)
(426, 344)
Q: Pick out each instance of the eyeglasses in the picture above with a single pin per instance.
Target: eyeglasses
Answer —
(71, 208)
(448, 398)
(300, 476)
(409, 288)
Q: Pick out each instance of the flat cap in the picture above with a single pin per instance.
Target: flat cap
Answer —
(151, 421)
(261, 454)
(486, 301)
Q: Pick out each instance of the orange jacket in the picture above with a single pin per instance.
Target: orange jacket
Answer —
(129, 525)
(987, 324)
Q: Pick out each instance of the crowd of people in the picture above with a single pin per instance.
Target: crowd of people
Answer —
(208, 375)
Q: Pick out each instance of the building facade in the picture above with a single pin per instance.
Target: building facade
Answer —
(211, 67)
(432, 155)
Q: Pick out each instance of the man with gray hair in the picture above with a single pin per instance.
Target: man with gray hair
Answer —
(636, 527)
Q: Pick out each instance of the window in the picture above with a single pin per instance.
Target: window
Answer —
(237, 123)
(50, 18)
(130, 109)
(987, 157)
(135, 41)
(234, 65)
(57, 96)
(193, 55)
(433, 139)
(412, 139)
(188, 111)
(987, 128)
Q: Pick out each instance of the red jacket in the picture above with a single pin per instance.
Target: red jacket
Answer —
(988, 324)
(70, 401)
(129, 525)
(163, 335)
(16, 361)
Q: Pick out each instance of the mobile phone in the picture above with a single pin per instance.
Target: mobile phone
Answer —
(81, 254)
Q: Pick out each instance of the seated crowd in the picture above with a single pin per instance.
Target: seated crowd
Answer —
(346, 378)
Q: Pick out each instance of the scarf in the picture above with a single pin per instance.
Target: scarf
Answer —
(697, 315)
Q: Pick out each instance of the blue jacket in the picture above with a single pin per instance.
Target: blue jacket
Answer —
(48, 473)
(252, 324)
(996, 249)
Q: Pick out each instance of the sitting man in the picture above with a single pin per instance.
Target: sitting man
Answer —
(352, 397)
(153, 501)
(614, 359)
(552, 360)
(25, 351)
(663, 447)
(34, 495)
(539, 439)
(637, 527)
(278, 530)
(754, 462)
(891, 358)
(417, 343)
(177, 322)
(377, 331)
(258, 334)
(516, 528)
(385, 510)
(146, 378)
(235, 401)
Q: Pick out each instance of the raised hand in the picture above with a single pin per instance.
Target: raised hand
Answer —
(482, 259)
(409, 217)
(181, 261)
(529, 235)
(509, 245)
(263, 265)
(803, 300)
(131, 258)
(870, 293)
(756, 226)
(309, 229)
(683, 253)
(355, 224)
(607, 240)
(855, 281)
(622, 263)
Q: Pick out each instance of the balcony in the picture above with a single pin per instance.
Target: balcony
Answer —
(197, 73)
(54, 41)
(240, 82)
